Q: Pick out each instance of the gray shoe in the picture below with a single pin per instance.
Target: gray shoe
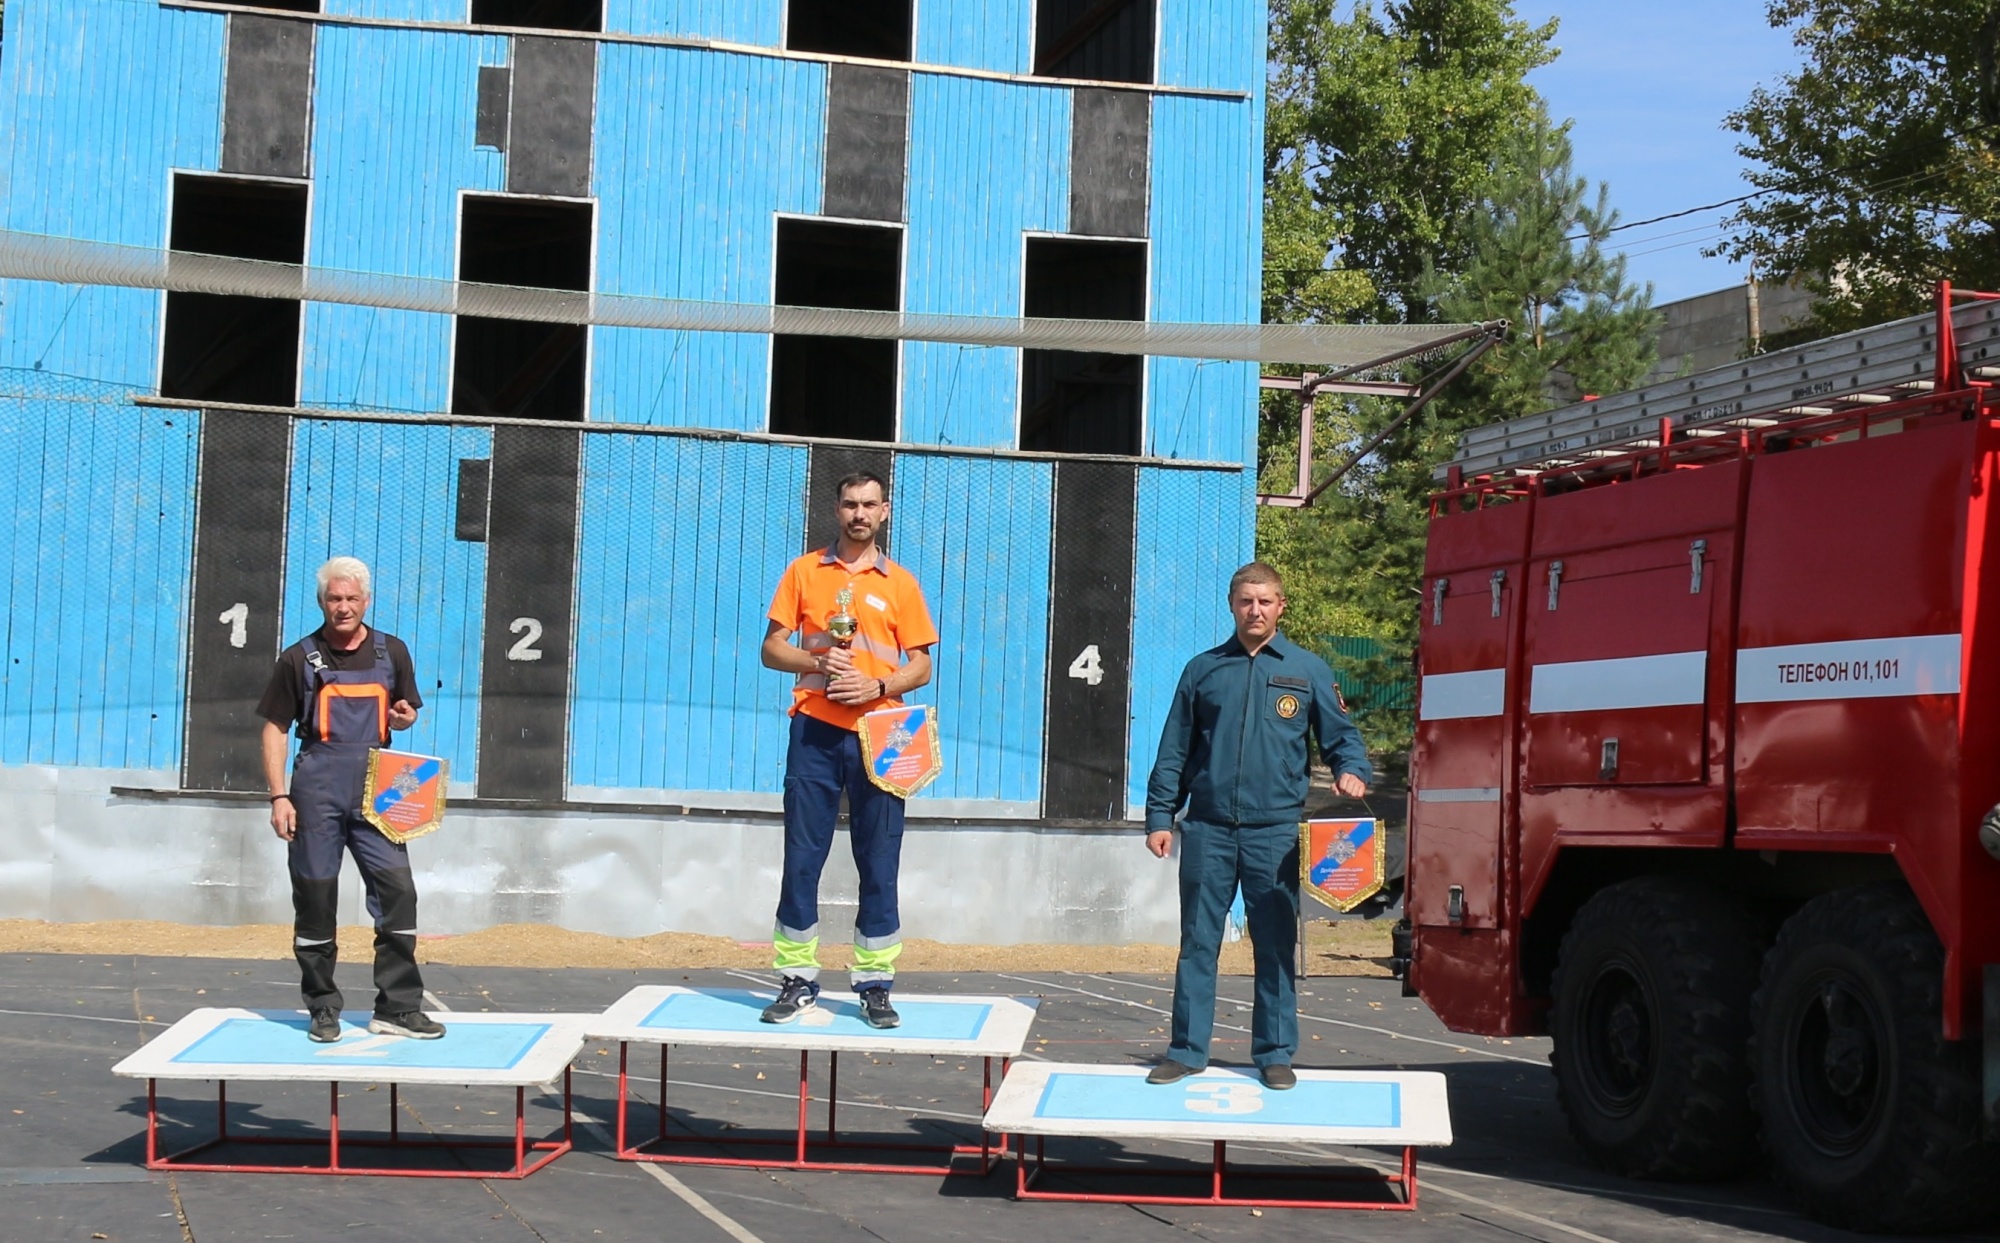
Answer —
(1278, 1077)
(325, 1028)
(795, 997)
(412, 1023)
(1170, 1071)
(876, 1010)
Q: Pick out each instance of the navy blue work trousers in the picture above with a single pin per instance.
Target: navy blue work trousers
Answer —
(1264, 860)
(822, 761)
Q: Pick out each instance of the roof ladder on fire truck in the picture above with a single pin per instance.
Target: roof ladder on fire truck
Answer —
(1892, 362)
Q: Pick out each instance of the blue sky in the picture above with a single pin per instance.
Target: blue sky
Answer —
(1648, 86)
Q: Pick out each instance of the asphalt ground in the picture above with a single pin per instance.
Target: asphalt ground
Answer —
(72, 1135)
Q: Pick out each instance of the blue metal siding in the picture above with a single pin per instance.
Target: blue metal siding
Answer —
(387, 493)
(989, 161)
(392, 149)
(1212, 44)
(400, 10)
(99, 500)
(1205, 268)
(760, 23)
(1180, 608)
(683, 540)
(98, 99)
(697, 152)
(975, 34)
(975, 532)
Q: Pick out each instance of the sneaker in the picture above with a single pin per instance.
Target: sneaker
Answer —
(412, 1023)
(1278, 1077)
(876, 1010)
(795, 997)
(1170, 1071)
(325, 1027)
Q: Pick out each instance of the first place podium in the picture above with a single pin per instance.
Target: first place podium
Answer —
(942, 1026)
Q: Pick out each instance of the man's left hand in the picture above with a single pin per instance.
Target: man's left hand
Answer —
(853, 689)
(1350, 785)
(402, 715)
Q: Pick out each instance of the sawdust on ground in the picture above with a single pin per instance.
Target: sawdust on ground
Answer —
(1344, 947)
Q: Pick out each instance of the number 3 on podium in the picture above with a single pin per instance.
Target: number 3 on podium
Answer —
(1225, 1098)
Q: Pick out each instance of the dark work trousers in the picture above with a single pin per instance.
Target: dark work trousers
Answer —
(1264, 859)
(821, 761)
(326, 791)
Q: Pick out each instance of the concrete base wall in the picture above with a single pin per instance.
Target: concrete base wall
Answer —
(71, 850)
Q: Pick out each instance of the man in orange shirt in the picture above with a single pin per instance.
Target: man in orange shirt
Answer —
(886, 653)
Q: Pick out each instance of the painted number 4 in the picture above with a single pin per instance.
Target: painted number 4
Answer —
(1225, 1098)
(524, 647)
(1087, 668)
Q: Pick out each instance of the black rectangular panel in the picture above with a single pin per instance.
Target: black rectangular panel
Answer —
(1109, 150)
(267, 96)
(1090, 642)
(829, 465)
(867, 124)
(239, 573)
(549, 121)
(489, 123)
(475, 488)
(530, 603)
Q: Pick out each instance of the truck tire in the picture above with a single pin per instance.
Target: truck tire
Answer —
(1651, 1029)
(1871, 1118)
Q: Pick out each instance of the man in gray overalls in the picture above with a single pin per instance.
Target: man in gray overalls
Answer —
(347, 686)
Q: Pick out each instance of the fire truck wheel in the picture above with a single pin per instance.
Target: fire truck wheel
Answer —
(1651, 1027)
(1870, 1116)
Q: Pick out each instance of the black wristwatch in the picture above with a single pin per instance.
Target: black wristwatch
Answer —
(884, 684)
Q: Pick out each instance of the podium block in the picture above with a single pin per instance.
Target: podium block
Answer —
(227, 1046)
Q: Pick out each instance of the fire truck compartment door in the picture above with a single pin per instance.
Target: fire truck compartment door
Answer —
(1618, 663)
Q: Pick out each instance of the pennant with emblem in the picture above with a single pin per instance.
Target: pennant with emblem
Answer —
(1341, 862)
(404, 794)
(899, 748)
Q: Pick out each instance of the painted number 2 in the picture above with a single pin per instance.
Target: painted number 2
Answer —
(1087, 668)
(237, 618)
(524, 647)
(1225, 1098)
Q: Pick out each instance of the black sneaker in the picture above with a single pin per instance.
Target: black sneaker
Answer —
(325, 1027)
(795, 997)
(1170, 1071)
(876, 1010)
(1278, 1077)
(412, 1023)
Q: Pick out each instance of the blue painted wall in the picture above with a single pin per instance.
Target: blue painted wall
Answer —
(682, 543)
(1180, 608)
(975, 532)
(989, 161)
(697, 153)
(760, 23)
(975, 34)
(387, 493)
(98, 499)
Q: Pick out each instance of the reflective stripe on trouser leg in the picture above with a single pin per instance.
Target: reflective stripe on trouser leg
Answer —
(320, 785)
(795, 951)
(875, 960)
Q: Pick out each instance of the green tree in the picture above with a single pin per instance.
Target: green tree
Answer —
(1882, 155)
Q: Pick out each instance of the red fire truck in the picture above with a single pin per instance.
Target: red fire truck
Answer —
(1706, 781)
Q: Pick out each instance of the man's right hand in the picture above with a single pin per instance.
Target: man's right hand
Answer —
(835, 661)
(284, 818)
(1160, 843)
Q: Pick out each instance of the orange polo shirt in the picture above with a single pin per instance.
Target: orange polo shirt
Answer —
(887, 602)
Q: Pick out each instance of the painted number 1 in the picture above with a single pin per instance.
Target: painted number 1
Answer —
(1225, 1098)
(1087, 668)
(237, 618)
(524, 647)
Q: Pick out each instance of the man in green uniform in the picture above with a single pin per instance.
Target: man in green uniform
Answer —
(1235, 754)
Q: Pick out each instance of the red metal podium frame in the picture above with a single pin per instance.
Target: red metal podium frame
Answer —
(990, 1148)
(545, 1150)
(1024, 1179)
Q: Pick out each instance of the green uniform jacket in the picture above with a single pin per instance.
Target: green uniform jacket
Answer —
(1234, 749)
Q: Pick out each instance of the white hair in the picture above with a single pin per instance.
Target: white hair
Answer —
(353, 569)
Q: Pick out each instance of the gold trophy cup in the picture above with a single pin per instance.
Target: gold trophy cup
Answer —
(843, 624)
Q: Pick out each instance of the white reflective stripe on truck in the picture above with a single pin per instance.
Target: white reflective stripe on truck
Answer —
(1925, 664)
(1665, 681)
(1469, 794)
(1460, 696)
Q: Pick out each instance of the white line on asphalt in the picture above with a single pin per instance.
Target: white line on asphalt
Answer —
(914, 1110)
(692, 1198)
(85, 1018)
(435, 1002)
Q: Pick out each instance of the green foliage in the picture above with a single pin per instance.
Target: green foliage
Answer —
(1408, 149)
(1888, 180)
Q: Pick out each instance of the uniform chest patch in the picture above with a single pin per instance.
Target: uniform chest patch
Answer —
(1288, 706)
